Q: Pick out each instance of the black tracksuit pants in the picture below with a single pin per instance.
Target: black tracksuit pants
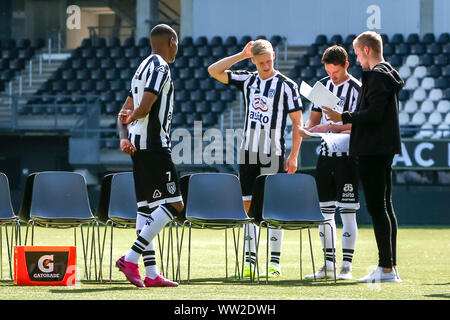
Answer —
(375, 173)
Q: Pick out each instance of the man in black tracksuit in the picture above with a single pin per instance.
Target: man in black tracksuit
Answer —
(374, 140)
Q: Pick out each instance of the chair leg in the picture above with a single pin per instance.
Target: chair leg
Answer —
(1, 252)
(111, 250)
(100, 254)
(236, 255)
(161, 252)
(256, 266)
(189, 253)
(179, 244)
(226, 255)
(32, 233)
(311, 250)
(267, 255)
(301, 247)
(334, 249)
(9, 250)
(84, 253)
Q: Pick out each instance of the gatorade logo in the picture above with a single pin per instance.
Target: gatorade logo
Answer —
(45, 263)
(46, 266)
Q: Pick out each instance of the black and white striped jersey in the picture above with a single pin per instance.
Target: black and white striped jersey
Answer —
(153, 131)
(348, 94)
(267, 103)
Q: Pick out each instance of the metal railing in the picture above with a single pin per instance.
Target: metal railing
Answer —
(53, 115)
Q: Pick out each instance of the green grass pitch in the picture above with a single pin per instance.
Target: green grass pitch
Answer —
(423, 260)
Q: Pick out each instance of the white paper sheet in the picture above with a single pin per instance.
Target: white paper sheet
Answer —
(337, 142)
(319, 94)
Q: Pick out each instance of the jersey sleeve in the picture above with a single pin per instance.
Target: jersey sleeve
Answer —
(238, 77)
(157, 75)
(293, 101)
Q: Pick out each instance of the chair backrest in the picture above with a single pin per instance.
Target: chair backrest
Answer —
(122, 201)
(59, 195)
(290, 198)
(6, 210)
(214, 196)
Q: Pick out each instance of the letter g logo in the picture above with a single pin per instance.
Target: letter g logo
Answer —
(45, 263)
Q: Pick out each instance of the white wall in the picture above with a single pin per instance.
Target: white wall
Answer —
(301, 21)
(441, 16)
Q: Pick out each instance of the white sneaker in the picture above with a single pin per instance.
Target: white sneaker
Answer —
(378, 275)
(320, 274)
(346, 273)
(396, 273)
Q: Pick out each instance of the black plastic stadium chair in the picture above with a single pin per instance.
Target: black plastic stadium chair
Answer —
(7, 216)
(290, 202)
(117, 207)
(217, 208)
(59, 199)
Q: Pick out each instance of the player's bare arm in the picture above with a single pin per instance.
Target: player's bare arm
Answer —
(125, 144)
(329, 127)
(218, 69)
(144, 108)
(292, 160)
(314, 120)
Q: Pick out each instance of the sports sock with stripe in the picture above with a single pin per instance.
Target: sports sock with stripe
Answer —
(153, 225)
(349, 233)
(276, 242)
(328, 213)
(251, 232)
(148, 255)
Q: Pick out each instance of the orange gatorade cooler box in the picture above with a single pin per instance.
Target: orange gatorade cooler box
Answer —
(44, 265)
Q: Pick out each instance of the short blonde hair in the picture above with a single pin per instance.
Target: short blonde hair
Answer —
(370, 39)
(261, 46)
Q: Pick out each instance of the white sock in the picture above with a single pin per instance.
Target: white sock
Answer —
(252, 230)
(349, 234)
(149, 254)
(157, 220)
(328, 213)
(276, 242)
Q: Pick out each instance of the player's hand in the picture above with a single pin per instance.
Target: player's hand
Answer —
(303, 134)
(125, 116)
(320, 128)
(246, 53)
(291, 164)
(127, 147)
(334, 115)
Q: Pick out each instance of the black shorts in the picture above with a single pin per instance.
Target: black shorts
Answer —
(155, 178)
(337, 182)
(248, 173)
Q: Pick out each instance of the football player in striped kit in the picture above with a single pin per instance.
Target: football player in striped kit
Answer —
(336, 176)
(144, 129)
(269, 98)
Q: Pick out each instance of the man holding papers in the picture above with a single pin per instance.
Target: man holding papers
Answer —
(336, 177)
(375, 139)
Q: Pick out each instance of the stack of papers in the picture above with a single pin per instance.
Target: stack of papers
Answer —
(319, 95)
(337, 142)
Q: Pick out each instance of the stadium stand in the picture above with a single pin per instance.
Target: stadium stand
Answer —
(102, 69)
(423, 62)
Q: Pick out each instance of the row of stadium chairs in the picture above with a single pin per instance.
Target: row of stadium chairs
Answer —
(426, 106)
(14, 55)
(422, 62)
(106, 71)
(60, 199)
(397, 38)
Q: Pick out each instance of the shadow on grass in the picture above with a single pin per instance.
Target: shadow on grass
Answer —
(439, 295)
(278, 283)
(5, 283)
(106, 286)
